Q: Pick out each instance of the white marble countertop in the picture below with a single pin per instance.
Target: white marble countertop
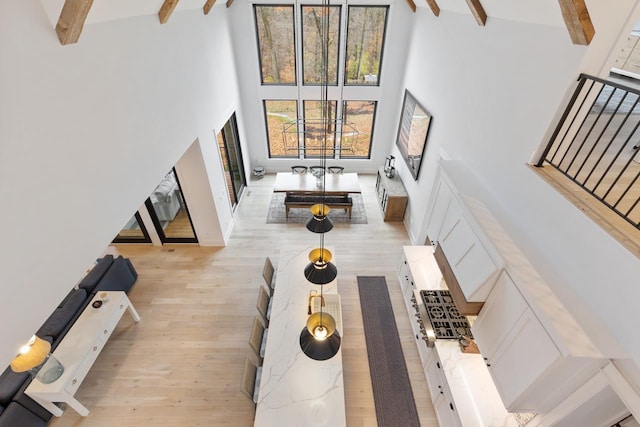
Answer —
(472, 389)
(294, 389)
(424, 268)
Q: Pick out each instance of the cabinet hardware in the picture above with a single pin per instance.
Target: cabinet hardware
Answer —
(95, 348)
(438, 365)
(74, 381)
(451, 405)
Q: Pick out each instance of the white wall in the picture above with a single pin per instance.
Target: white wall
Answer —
(87, 131)
(493, 92)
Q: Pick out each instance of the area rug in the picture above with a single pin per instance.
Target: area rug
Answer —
(392, 394)
(276, 213)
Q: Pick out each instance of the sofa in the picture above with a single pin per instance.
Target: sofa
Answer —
(166, 198)
(107, 274)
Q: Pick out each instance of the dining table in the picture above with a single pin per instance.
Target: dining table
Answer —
(294, 389)
(334, 183)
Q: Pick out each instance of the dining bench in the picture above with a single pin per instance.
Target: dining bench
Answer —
(308, 199)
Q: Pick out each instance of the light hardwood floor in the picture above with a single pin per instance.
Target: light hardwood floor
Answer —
(182, 364)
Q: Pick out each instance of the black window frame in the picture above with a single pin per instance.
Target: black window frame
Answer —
(295, 47)
(382, 48)
(373, 127)
(339, 39)
(266, 127)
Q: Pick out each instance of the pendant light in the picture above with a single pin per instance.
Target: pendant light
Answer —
(320, 271)
(319, 222)
(320, 339)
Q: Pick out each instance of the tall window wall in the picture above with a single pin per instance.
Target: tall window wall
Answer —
(290, 48)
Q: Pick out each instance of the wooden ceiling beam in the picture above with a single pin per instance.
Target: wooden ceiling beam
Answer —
(229, 3)
(166, 10)
(207, 6)
(478, 11)
(412, 5)
(72, 17)
(578, 22)
(434, 7)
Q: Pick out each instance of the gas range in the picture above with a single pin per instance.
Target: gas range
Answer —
(443, 316)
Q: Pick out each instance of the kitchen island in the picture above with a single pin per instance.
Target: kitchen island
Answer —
(461, 387)
(296, 390)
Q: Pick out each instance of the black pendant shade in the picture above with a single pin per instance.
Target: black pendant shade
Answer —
(319, 349)
(320, 274)
(319, 222)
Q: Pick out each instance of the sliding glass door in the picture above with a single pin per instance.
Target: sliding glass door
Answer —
(133, 231)
(169, 212)
(231, 154)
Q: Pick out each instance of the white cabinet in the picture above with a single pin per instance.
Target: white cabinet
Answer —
(529, 370)
(441, 398)
(474, 262)
(439, 204)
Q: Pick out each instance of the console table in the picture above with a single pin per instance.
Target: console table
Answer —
(392, 196)
(79, 350)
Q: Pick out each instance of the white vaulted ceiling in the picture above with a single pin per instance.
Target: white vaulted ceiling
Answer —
(543, 12)
(109, 10)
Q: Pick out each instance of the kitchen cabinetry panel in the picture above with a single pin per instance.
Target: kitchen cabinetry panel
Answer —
(471, 263)
(441, 199)
(441, 397)
(528, 368)
(527, 352)
(501, 312)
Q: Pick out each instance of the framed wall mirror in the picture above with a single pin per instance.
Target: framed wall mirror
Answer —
(412, 133)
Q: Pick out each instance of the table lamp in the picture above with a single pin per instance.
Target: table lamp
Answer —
(35, 357)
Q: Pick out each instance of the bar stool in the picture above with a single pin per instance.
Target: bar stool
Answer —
(335, 169)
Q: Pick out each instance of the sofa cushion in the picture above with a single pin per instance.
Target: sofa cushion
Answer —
(93, 277)
(10, 383)
(15, 415)
(61, 316)
(1, 409)
(120, 277)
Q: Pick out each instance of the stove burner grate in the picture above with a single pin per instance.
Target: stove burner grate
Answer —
(445, 318)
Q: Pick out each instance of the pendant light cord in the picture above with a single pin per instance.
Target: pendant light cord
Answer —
(324, 103)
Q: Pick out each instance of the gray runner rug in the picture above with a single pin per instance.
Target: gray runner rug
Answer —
(395, 406)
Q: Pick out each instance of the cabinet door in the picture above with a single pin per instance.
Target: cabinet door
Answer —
(440, 204)
(435, 376)
(404, 274)
(502, 310)
(522, 358)
(446, 410)
(470, 261)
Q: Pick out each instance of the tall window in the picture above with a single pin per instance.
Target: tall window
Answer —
(292, 104)
(357, 128)
(314, 131)
(312, 44)
(282, 128)
(276, 44)
(365, 36)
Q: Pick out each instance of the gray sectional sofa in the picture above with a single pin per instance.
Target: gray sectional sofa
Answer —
(108, 274)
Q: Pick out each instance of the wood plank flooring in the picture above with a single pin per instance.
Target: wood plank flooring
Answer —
(182, 364)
